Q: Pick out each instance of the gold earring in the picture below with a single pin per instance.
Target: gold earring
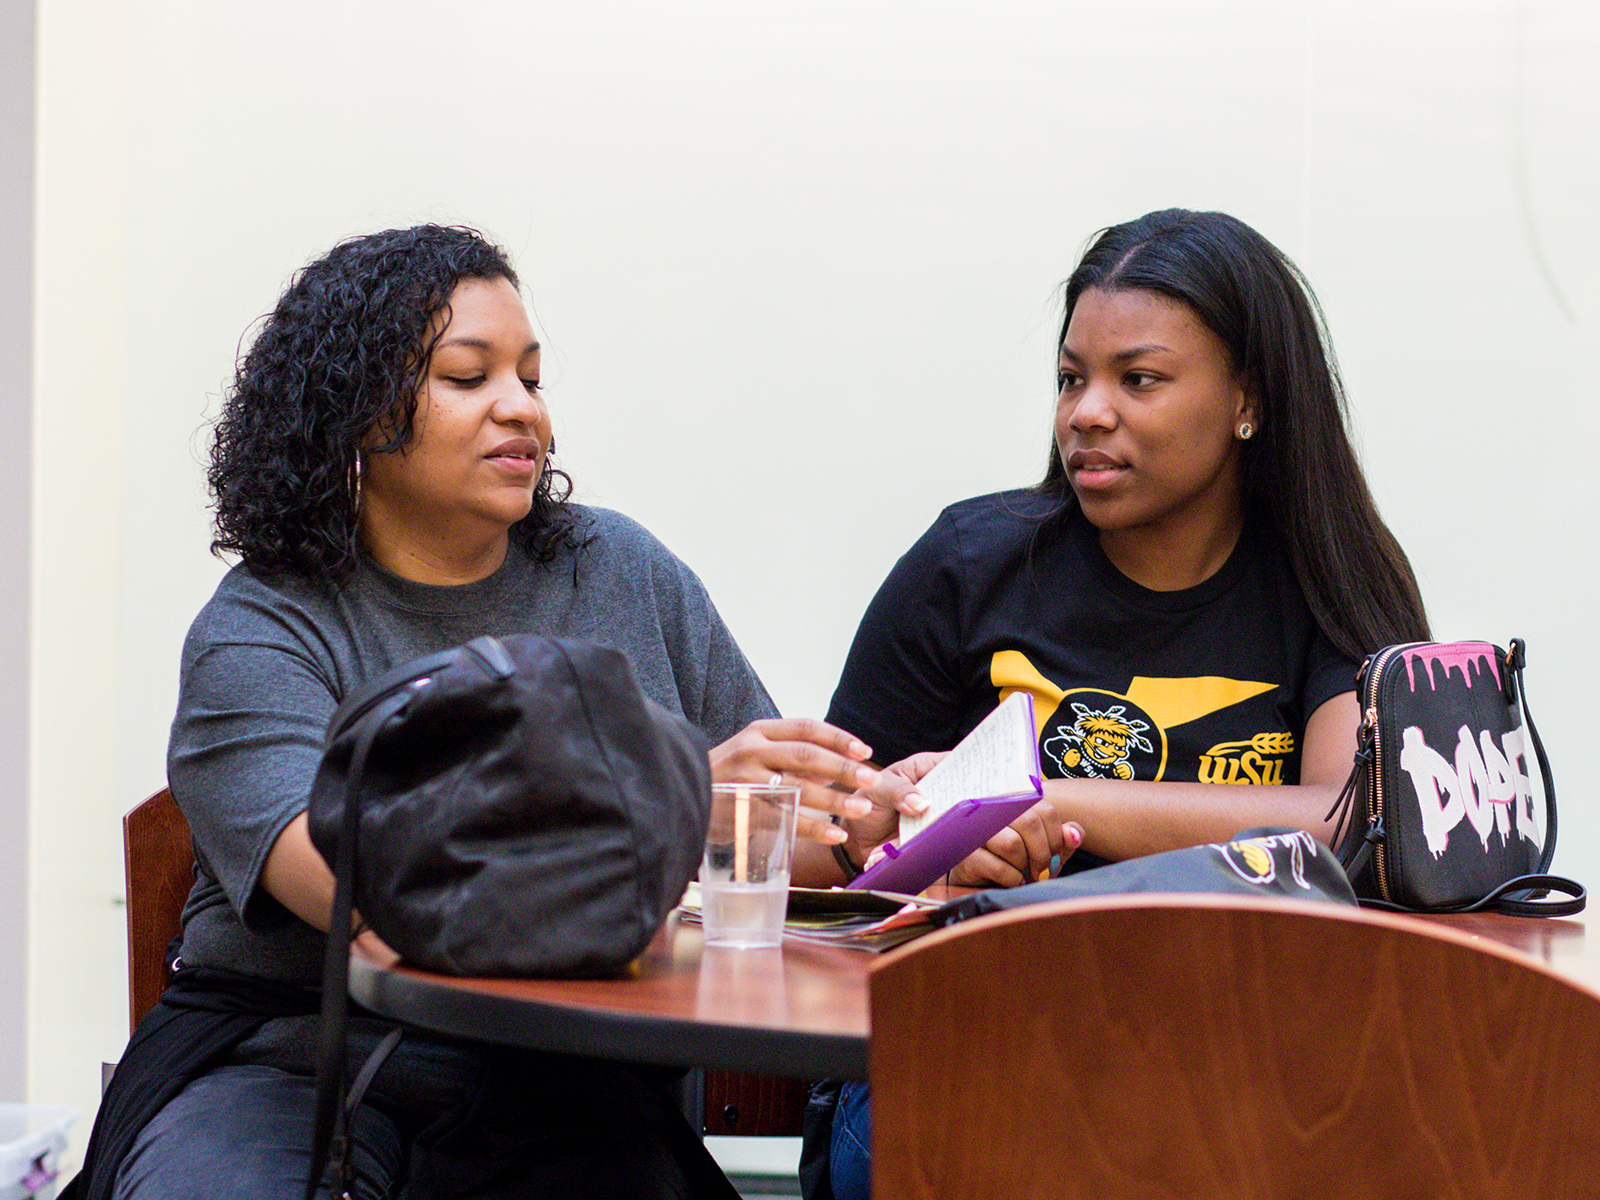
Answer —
(1246, 431)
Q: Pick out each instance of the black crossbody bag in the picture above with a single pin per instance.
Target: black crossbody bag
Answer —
(1439, 813)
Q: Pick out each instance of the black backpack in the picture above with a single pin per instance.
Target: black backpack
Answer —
(514, 806)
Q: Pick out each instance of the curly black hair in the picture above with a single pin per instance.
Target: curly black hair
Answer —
(342, 355)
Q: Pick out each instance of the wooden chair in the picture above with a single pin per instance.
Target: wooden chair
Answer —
(159, 860)
(754, 1105)
(1199, 1047)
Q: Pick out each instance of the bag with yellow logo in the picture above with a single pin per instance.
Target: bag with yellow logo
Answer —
(1448, 819)
(1288, 863)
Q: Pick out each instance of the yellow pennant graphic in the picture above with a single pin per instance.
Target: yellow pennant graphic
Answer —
(1168, 701)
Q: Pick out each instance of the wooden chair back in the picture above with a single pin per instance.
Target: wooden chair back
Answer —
(159, 860)
(1204, 1047)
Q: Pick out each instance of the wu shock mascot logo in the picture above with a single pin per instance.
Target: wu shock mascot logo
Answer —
(1484, 781)
(1098, 743)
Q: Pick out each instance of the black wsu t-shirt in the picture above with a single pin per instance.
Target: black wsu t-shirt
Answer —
(1009, 592)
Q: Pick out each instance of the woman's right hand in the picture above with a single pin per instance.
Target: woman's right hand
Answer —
(831, 767)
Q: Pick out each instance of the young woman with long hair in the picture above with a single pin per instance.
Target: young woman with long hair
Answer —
(1187, 593)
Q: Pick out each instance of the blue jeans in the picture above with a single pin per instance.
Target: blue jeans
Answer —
(246, 1131)
(850, 1151)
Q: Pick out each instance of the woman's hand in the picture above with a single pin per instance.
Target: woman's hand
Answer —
(1022, 852)
(895, 793)
(830, 765)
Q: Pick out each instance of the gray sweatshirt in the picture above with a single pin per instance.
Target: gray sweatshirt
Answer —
(267, 661)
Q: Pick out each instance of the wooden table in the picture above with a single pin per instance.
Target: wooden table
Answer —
(800, 1011)
(1559, 944)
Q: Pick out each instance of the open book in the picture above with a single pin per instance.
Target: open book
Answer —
(979, 788)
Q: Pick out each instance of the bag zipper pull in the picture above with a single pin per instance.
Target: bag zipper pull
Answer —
(1364, 737)
(1374, 834)
(1360, 765)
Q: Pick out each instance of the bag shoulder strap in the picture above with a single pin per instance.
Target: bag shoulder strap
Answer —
(1528, 896)
(1513, 898)
(336, 962)
(1515, 655)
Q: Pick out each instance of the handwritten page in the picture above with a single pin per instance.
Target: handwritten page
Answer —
(998, 758)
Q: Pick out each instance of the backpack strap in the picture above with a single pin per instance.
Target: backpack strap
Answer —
(336, 961)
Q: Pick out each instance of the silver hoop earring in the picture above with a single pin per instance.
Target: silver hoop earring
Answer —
(1246, 431)
(356, 466)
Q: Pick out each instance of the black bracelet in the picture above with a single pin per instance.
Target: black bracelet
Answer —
(851, 871)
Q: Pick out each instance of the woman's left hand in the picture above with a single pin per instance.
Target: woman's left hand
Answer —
(896, 793)
(1025, 851)
(829, 764)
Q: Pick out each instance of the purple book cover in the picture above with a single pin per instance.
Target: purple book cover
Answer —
(963, 827)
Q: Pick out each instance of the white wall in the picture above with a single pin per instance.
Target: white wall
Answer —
(795, 263)
(17, 135)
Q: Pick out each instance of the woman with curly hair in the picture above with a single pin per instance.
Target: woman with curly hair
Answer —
(333, 380)
(382, 469)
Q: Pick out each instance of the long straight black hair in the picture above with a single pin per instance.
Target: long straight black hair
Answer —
(1300, 476)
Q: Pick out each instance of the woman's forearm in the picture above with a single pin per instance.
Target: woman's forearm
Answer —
(297, 877)
(1127, 819)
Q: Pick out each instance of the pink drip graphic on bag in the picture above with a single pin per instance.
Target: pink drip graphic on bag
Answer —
(1486, 783)
(1469, 657)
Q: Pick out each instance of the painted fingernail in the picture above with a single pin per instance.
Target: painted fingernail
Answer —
(1072, 833)
(1043, 874)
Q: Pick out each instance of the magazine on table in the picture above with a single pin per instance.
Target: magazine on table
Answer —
(861, 920)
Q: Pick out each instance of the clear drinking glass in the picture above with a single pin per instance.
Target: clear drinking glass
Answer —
(744, 876)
